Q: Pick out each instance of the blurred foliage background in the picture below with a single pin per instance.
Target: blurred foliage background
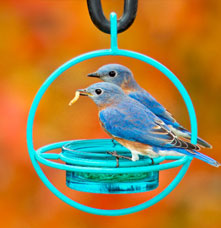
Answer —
(37, 37)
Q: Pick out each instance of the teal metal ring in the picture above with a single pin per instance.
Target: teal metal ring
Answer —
(44, 158)
(113, 51)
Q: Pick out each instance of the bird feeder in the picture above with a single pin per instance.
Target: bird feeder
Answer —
(88, 166)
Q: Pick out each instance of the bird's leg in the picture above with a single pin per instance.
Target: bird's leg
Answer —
(152, 161)
(119, 156)
(114, 153)
(117, 161)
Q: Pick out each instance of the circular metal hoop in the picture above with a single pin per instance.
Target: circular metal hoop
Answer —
(109, 52)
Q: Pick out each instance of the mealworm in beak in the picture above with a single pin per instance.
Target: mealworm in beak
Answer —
(77, 95)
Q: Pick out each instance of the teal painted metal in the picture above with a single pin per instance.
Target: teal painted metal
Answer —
(43, 158)
(34, 154)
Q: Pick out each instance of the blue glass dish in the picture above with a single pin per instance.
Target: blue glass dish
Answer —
(92, 154)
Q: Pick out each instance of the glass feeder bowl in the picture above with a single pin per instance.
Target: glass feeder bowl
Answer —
(94, 153)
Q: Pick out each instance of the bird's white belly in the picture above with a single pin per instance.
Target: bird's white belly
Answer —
(152, 154)
(169, 153)
(137, 149)
(147, 152)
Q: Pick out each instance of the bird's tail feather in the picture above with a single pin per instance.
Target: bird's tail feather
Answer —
(162, 151)
(204, 158)
(186, 134)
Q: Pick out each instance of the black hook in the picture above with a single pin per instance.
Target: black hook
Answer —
(100, 21)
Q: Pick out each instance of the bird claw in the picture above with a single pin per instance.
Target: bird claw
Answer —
(114, 144)
(152, 161)
(114, 153)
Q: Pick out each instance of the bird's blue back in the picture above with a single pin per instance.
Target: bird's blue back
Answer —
(150, 102)
(131, 120)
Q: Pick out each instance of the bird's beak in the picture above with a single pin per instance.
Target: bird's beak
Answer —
(83, 92)
(95, 75)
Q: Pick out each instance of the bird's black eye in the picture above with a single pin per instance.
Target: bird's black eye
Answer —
(112, 73)
(98, 91)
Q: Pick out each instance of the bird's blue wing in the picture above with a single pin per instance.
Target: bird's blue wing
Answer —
(132, 121)
(147, 100)
(150, 102)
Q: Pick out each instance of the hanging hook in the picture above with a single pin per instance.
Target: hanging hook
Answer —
(100, 21)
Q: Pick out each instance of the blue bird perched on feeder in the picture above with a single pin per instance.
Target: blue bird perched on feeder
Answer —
(136, 127)
(123, 77)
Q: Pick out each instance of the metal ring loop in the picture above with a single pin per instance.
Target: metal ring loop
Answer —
(36, 102)
(100, 21)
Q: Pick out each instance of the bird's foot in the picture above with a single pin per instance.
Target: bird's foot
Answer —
(152, 161)
(114, 143)
(114, 153)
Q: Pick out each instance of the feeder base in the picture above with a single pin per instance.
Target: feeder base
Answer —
(146, 182)
(93, 153)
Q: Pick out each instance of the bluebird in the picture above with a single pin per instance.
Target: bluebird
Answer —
(123, 77)
(135, 127)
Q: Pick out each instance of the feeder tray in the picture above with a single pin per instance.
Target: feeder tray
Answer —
(91, 169)
(93, 153)
(88, 166)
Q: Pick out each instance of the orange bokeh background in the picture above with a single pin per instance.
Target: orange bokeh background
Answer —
(37, 37)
